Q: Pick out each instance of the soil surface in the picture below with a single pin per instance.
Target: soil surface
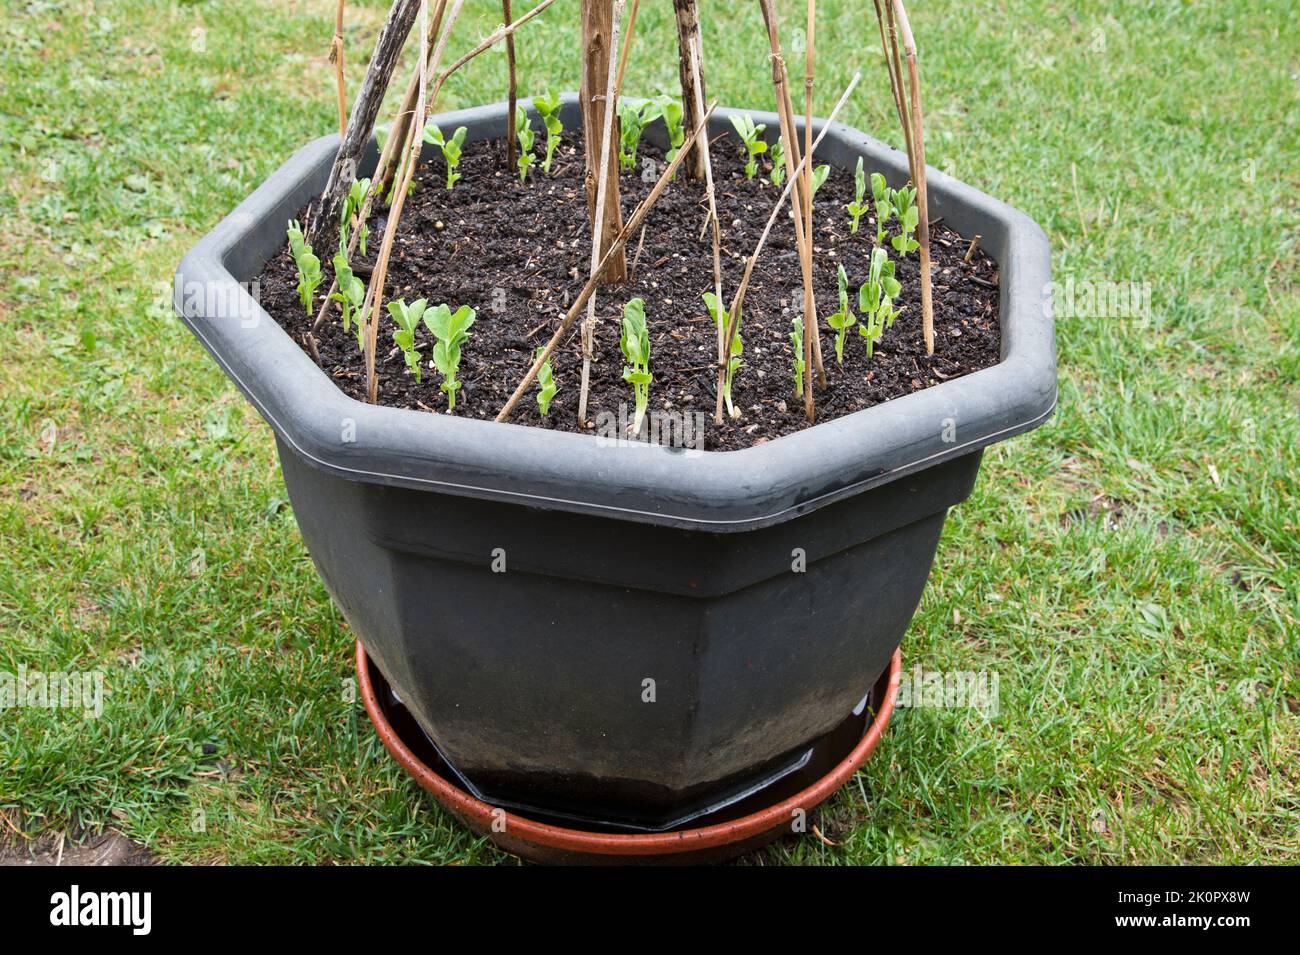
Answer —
(519, 253)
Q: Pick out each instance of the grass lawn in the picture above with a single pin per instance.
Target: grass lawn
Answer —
(1131, 572)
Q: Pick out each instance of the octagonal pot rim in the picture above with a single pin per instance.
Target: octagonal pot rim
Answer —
(719, 491)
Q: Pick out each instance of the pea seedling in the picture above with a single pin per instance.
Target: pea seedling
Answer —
(635, 344)
(450, 149)
(408, 318)
(858, 207)
(881, 193)
(632, 121)
(796, 339)
(819, 176)
(876, 299)
(351, 296)
(754, 147)
(548, 107)
(908, 215)
(842, 320)
(308, 265)
(546, 382)
(352, 204)
(524, 133)
(450, 330)
(671, 112)
(777, 175)
(734, 352)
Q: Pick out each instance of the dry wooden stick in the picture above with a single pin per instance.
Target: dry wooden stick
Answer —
(785, 110)
(388, 46)
(606, 137)
(392, 146)
(893, 65)
(627, 41)
(690, 71)
(918, 174)
(615, 246)
(395, 144)
(506, 30)
(513, 90)
(336, 57)
(375, 293)
(970, 249)
(416, 113)
(810, 336)
(409, 111)
(695, 52)
(738, 302)
(597, 51)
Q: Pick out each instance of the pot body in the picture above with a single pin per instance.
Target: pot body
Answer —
(607, 669)
(627, 632)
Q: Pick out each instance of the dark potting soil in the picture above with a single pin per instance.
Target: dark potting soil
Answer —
(519, 253)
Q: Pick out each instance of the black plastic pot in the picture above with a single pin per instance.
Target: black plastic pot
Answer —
(629, 563)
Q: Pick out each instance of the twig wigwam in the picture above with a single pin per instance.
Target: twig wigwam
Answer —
(615, 247)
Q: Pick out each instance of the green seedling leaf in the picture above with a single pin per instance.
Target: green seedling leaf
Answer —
(450, 149)
(450, 330)
(858, 207)
(796, 339)
(548, 107)
(749, 137)
(524, 136)
(844, 319)
(546, 384)
(635, 345)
